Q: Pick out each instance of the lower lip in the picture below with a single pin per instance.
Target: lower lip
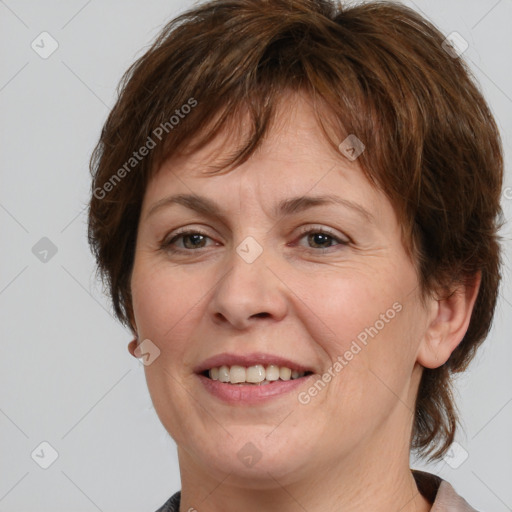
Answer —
(250, 393)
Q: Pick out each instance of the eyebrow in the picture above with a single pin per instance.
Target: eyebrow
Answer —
(285, 207)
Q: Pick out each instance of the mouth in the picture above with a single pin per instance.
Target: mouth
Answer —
(255, 375)
(252, 378)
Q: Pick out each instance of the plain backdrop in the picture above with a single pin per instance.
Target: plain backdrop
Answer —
(66, 377)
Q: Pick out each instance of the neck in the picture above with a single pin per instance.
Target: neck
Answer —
(346, 486)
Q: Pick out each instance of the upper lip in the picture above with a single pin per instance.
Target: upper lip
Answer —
(227, 359)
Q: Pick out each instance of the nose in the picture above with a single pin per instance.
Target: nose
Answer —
(248, 293)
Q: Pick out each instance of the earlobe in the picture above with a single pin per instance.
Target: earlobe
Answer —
(448, 324)
(132, 346)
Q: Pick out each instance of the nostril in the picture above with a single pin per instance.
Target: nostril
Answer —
(261, 315)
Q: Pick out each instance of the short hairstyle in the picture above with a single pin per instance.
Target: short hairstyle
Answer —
(376, 70)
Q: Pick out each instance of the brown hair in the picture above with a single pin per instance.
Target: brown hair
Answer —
(382, 72)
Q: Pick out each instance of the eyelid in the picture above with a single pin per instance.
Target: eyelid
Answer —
(309, 227)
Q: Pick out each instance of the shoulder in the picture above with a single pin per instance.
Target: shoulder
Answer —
(440, 493)
(172, 504)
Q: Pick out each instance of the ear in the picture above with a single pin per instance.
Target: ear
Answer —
(448, 323)
(131, 347)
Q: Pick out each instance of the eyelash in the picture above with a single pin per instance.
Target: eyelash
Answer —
(167, 245)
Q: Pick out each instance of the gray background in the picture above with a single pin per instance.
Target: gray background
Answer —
(66, 376)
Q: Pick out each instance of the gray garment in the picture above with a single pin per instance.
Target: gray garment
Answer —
(434, 488)
(440, 493)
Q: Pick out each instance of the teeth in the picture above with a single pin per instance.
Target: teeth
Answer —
(272, 372)
(285, 373)
(237, 374)
(224, 374)
(257, 374)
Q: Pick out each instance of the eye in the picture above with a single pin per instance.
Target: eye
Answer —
(321, 238)
(191, 239)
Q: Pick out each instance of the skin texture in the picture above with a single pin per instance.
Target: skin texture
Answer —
(348, 448)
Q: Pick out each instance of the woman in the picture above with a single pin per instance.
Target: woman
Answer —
(295, 206)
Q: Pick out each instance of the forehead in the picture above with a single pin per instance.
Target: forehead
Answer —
(294, 151)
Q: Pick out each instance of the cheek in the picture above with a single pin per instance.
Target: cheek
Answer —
(363, 326)
(344, 307)
(165, 300)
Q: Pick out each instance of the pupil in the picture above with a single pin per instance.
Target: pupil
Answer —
(319, 238)
(195, 239)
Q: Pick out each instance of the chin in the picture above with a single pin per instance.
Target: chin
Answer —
(264, 474)
(255, 459)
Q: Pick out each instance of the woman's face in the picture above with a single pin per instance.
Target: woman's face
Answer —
(341, 302)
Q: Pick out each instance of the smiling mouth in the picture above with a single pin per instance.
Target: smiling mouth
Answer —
(253, 375)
